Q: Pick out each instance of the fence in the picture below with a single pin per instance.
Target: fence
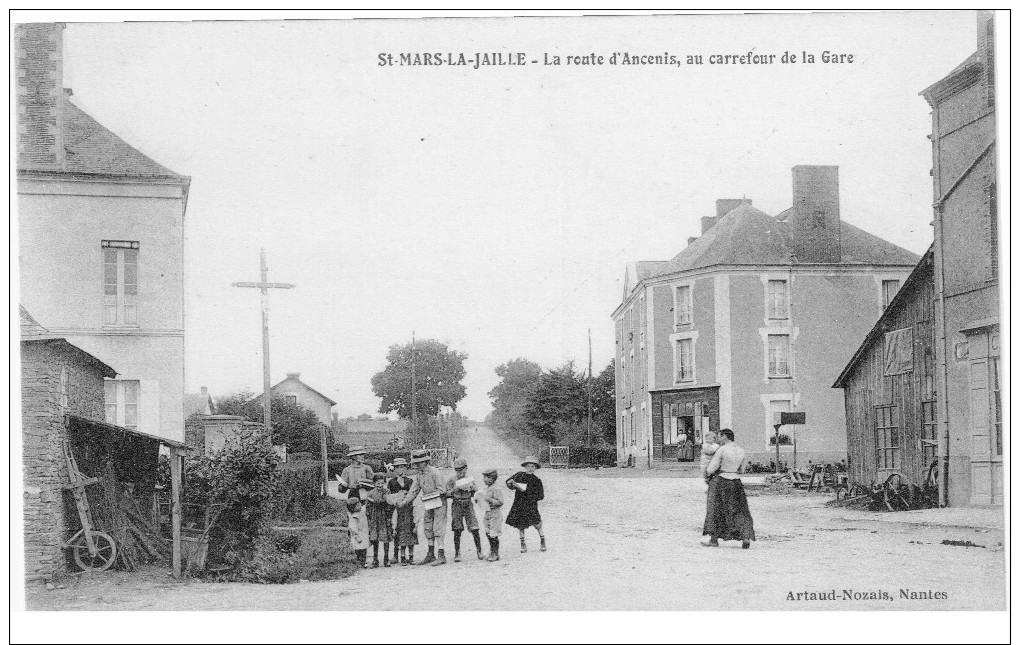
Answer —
(559, 456)
(440, 457)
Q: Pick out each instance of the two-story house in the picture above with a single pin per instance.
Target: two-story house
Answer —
(755, 317)
(101, 241)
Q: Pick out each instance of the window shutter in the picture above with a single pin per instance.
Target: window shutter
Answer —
(148, 412)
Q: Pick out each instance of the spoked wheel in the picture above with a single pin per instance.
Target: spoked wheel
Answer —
(106, 552)
(891, 492)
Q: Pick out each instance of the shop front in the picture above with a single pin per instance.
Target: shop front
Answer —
(680, 418)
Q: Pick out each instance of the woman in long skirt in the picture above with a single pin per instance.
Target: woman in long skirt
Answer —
(405, 536)
(528, 492)
(727, 516)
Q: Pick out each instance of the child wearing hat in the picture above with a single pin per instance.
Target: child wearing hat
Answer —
(357, 472)
(357, 527)
(405, 536)
(429, 482)
(492, 501)
(462, 510)
(379, 515)
(528, 492)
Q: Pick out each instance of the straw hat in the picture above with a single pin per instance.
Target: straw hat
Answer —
(490, 472)
(399, 461)
(356, 450)
(459, 463)
(531, 459)
(418, 456)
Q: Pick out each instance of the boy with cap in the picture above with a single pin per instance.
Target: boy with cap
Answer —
(405, 537)
(462, 509)
(429, 482)
(491, 500)
(357, 527)
(352, 476)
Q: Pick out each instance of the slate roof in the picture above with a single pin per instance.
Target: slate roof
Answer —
(748, 236)
(33, 332)
(197, 404)
(923, 271)
(91, 149)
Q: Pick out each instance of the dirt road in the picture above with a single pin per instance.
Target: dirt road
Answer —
(634, 543)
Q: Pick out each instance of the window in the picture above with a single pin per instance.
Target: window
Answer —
(120, 283)
(778, 301)
(779, 355)
(291, 398)
(633, 431)
(63, 387)
(122, 403)
(993, 363)
(887, 438)
(683, 305)
(889, 289)
(684, 360)
(899, 351)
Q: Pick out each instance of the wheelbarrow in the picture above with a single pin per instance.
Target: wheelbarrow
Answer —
(93, 550)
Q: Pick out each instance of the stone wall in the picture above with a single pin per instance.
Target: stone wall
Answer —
(48, 370)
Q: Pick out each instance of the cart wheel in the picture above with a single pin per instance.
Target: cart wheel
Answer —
(106, 552)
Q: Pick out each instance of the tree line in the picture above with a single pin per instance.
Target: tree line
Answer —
(551, 406)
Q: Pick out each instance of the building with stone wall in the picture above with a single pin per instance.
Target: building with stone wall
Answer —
(57, 379)
(755, 317)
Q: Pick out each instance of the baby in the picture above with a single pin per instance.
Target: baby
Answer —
(708, 449)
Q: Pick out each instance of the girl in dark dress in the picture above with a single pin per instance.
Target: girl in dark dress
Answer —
(524, 512)
(405, 537)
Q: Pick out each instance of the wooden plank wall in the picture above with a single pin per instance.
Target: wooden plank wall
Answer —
(868, 387)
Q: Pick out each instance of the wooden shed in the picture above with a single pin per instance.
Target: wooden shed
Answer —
(889, 387)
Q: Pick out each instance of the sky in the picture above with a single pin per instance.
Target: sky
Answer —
(493, 209)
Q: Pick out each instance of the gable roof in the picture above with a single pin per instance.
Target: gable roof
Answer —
(303, 384)
(748, 236)
(920, 272)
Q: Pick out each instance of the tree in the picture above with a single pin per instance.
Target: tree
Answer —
(438, 375)
(603, 403)
(293, 424)
(560, 400)
(519, 379)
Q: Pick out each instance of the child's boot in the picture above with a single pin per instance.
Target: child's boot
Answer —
(440, 559)
(386, 556)
(456, 546)
(478, 543)
(430, 557)
(375, 555)
(524, 545)
(542, 547)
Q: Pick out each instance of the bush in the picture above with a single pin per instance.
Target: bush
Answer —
(244, 477)
(298, 492)
(287, 557)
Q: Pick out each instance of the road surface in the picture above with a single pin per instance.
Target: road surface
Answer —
(633, 542)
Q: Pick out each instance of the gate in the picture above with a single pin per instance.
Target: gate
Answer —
(559, 456)
(440, 457)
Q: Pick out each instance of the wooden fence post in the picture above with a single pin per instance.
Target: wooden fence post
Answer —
(175, 508)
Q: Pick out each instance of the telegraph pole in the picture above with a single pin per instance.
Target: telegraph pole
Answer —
(264, 285)
(414, 402)
(589, 386)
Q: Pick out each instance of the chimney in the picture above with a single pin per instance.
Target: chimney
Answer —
(294, 375)
(814, 222)
(986, 52)
(722, 206)
(39, 73)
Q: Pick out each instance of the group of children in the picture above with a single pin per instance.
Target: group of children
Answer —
(380, 508)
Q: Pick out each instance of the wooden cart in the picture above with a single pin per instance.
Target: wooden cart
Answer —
(93, 550)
